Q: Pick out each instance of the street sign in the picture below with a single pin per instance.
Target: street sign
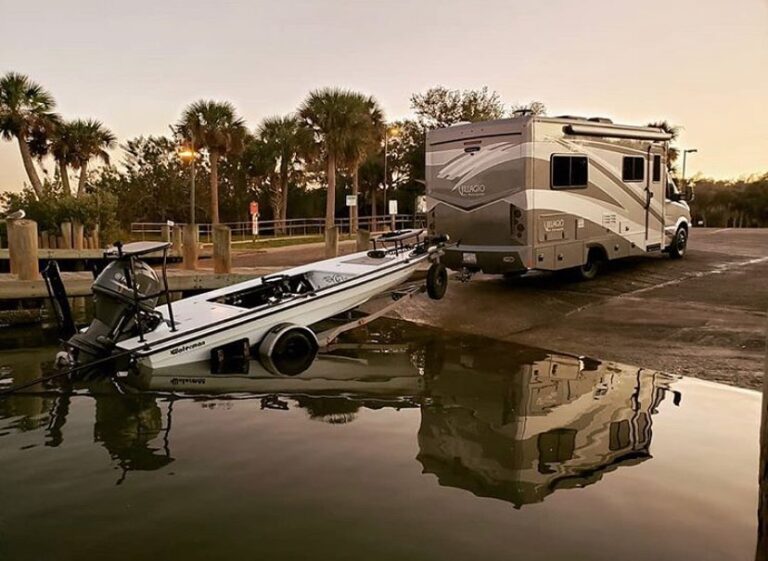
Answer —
(253, 208)
(392, 207)
(255, 221)
(351, 200)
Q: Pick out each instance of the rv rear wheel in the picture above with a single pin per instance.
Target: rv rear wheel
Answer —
(437, 281)
(589, 270)
(679, 244)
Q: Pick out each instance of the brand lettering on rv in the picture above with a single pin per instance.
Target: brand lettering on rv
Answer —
(470, 190)
(555, 225)
(185, 348)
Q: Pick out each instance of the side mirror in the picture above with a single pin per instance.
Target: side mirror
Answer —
(690, 194)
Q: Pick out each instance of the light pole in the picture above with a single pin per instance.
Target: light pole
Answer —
(188, 154)
(388, 132)
(685, 153)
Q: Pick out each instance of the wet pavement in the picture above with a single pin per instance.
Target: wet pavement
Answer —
(400, 443)
(703, 316)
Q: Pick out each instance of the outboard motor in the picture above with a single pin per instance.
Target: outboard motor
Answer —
(125, 294)
(117, 313)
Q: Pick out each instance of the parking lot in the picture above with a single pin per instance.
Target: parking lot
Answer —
(702, 316)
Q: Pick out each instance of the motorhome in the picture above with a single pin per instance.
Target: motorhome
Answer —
(552, 193)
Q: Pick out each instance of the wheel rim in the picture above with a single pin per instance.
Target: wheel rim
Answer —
(681, 241)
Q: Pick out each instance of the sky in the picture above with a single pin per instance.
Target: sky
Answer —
(701, 64)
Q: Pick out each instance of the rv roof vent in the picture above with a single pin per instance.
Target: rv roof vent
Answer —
(601, 120)
(572, 117)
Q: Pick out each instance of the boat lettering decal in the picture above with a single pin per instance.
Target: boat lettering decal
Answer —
(177, 381)
(185, 348)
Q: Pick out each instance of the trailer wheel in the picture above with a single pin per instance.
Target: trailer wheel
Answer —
(437, 281)
(679, 244)
(288, 349)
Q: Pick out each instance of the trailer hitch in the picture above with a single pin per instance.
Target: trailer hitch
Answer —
(465, 274)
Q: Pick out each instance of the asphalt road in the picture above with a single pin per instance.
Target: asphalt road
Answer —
(702, 316)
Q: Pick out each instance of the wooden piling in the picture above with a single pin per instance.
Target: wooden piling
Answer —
(66, 233)
(22, 249)
(222, 249)
(165, 233)
(44, 239)
(190, 247)
(176, 243)
(95, 235)
(363, 240)
(331, 242)
(12, 262)
(78, 233)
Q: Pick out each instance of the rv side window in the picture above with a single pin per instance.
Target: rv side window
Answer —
(569, 172)
(656, 169)
(633, 168)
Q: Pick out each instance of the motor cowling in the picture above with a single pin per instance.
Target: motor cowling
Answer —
(114, 308)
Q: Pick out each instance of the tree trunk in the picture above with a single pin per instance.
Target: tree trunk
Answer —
(330, 197)
(81, 180)
(65, 178)
(283, 193)
(214, 186)
(353, 209)
(29, 166)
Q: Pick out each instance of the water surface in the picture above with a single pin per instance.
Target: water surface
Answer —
(403, 444)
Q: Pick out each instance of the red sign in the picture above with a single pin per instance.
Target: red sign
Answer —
(254, 208)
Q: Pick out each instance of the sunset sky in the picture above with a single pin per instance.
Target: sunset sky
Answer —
(134, 65)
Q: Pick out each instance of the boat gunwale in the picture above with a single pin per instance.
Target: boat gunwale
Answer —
(146, 348)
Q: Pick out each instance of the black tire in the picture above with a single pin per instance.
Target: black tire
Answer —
(590, 269)
(437, 281)
(292, 353)
(679, 244)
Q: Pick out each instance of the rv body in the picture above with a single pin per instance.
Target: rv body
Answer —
(545, 193)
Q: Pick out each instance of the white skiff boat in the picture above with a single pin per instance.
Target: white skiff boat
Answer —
(267, 316)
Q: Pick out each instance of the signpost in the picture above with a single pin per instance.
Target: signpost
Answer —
(253, 208)
(351, 200)
(393, 212)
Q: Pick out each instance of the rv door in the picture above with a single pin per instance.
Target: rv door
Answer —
(655, 182)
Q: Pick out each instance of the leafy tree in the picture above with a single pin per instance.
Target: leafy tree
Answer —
(216, 127)
(334, 118)
(441, 107)
(26, 114)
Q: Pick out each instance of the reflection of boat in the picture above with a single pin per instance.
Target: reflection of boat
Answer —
(367, 371)
(271, 313)
(554, 423)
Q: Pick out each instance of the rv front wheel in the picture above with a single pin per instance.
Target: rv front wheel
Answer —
(679, 244)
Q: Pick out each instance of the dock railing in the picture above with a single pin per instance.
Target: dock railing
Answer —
(242, 231)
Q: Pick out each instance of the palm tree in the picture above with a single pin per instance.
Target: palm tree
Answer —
(62, 148)
(365, 141)
(88, 139)
(334, 117)
(672, 152)
(215, 126)
(287, 142)
(26, 114)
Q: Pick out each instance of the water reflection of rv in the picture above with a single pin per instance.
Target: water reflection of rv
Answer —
(511, 423)
(557, 422)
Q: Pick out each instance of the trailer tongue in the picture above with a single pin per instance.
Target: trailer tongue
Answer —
(270, 317)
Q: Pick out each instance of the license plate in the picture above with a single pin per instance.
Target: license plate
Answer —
(469, 258)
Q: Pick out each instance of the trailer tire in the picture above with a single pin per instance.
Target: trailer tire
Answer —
(679, 243)
(437, 281)
(288, 349)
